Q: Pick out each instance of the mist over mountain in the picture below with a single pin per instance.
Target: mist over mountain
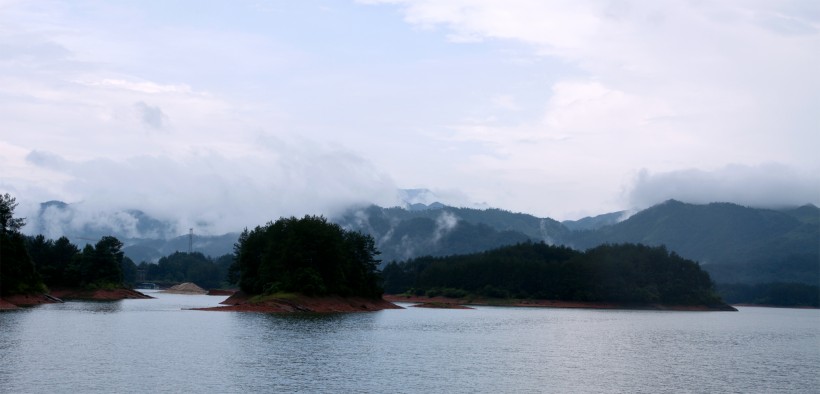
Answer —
(734, 243)
(78, 221)
(773, 186)
(401, 233)
(145, 237)
(595, 222)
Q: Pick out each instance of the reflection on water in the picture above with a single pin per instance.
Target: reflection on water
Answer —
(90, 306)
(157, 345)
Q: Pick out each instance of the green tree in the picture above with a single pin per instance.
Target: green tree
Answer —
(17, 272)
(129, 271)
(63, 254)
(308, 255)
(107, 261)
(8, 223)
(99, 265)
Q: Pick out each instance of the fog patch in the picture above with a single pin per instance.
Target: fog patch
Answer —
(764, 186)
(445, 223)
(208, 191)
(542, 224)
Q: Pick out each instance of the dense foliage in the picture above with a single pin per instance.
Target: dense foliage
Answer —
(308, 255)
(625, 273)
(62, 264)
(17, 272)
(195, 267)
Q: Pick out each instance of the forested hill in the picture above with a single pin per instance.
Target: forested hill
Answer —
(735, 244)
(625, 274)
(401, 234)
(732, 242)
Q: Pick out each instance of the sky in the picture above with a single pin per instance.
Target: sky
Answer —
(222, 115)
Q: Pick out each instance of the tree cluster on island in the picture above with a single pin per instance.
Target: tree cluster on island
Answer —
(310, 256)
(626, 274)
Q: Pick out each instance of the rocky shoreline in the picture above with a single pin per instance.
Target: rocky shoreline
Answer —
(443, 302)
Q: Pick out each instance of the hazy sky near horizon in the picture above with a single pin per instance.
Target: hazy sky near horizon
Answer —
(233, 113)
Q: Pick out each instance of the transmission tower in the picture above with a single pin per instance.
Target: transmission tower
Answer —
(191, 240)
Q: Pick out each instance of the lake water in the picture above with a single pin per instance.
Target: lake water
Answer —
(157, 346)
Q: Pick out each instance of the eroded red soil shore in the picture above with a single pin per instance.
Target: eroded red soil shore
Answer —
(6, 306)
(552, 303)
(98, 295)
(21, 300)
(58, 295)
(240, 302)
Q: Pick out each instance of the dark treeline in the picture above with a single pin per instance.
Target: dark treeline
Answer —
(62, 264)
(308, 255)
(626, 273)
(195, 267)
(17, 272)
(775, 294)
(34, 264)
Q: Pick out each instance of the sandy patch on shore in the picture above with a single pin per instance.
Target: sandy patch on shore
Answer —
(186, 288)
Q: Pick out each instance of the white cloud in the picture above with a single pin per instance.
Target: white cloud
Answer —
(140, 87)
(215, 193)
(437, 96)
(767, 186)
(663, 86)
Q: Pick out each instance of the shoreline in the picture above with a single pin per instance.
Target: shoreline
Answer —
(554, 304)
(776, 306)
(291, 303)
(98, 295)
(56, 296)
(17, 301)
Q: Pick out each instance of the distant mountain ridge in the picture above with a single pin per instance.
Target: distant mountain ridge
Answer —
(595, 222)
(735, 244)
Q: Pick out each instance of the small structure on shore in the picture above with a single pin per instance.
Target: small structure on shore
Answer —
(186, 288)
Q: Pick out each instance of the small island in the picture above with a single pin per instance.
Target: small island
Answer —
(305, 265)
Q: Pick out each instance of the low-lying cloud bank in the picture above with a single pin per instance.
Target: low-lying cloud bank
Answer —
(207, 191)
(764, 186)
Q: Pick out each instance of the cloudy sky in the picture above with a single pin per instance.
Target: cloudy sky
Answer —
(227, 114)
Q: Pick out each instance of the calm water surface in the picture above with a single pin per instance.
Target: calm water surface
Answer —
(157, 346)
